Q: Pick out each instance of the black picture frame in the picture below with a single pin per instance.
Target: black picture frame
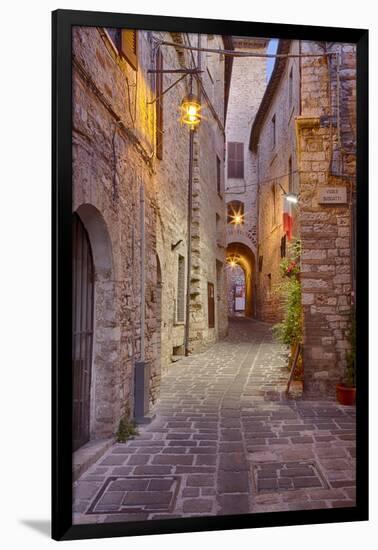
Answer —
(62, 22)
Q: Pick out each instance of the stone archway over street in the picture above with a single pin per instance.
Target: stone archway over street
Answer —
(239, 254)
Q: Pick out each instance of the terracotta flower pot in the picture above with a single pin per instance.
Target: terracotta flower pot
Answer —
(346, 395)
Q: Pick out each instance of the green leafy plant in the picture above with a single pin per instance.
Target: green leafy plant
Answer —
(126, 428)
(289, 330)
(350, 374)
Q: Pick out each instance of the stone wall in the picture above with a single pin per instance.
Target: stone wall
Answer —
(326, 230)
(207, 233)
(273, 172)
(111, 167)
(247, 88)
(318, 132)
(120, 187)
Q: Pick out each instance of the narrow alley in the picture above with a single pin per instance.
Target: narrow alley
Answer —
(226, 440)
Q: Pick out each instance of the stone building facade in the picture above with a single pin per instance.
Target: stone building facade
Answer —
(130, 182)
(304, 141)
(247, 88)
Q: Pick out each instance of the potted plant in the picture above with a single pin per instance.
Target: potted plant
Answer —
(346, 391)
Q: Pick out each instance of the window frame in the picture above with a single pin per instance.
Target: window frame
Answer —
(235, 159)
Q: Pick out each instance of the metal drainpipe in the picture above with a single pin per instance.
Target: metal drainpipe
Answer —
(189, 244)
(142, 272)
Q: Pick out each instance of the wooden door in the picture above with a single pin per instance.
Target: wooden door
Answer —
(210, 305)
(82, 331)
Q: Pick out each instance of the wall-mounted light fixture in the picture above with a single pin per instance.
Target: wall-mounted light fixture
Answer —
(190, 111)
(292, 197)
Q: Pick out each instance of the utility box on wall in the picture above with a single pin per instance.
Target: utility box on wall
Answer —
(141, 391)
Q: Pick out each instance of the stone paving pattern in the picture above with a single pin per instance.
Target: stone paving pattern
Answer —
(225, 441)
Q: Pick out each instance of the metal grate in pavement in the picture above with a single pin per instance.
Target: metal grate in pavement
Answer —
(287, 476)
(131, 494)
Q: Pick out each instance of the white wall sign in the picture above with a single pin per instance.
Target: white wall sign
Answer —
(332, 195)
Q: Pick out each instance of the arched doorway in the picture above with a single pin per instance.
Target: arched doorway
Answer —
(95, 304)
(241, 278)
(82, 331)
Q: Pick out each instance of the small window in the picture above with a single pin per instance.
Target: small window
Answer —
(273, 132)
(115, 35)
(159, 106)
(180, 304)
(235, 213)
(126, 42)
(235, 167)
(219, 182)
(290, 174)
(129, 47)
(291, 87)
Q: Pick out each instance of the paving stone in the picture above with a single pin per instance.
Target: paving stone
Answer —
(147, 497)
(122, 470)
(300, 482)
(233, 504)
(304, 439)
(233, 482)
(232, 461)
(190, 492)
(173, 459)
(200, 480)
(114, 460)
(197, 505)
(231, 447)
(267, 483)
(128, 485)
(203, 459)
(136, 460)
(153, 470)
(175, 450)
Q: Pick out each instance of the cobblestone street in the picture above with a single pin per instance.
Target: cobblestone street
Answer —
(226, 441)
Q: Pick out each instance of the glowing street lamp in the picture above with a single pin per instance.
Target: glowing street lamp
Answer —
(190, 111)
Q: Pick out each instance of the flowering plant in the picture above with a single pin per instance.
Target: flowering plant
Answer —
(289, 268)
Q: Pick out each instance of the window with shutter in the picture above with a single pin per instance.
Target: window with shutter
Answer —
(159, 106)
(235, 162)
(129, 47)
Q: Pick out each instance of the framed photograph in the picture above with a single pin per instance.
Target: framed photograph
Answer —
(210, 205)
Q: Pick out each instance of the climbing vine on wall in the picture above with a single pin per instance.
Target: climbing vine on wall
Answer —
(289, 330)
